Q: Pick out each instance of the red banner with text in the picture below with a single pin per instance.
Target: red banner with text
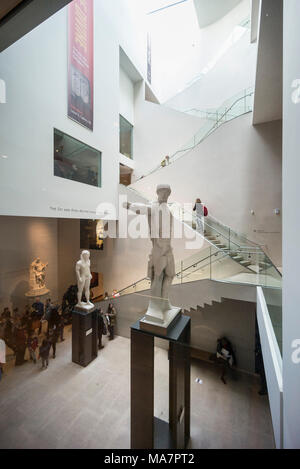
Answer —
(81, 62)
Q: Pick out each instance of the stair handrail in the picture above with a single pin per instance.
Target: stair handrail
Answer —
(247, 92)
(193, 263)
(206, 224)
(213, 128)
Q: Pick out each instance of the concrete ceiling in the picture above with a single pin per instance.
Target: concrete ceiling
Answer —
(208, 12)
(20, 17)
(269, 83)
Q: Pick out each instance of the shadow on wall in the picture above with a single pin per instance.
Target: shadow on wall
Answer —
(267, 227)
(17, 296)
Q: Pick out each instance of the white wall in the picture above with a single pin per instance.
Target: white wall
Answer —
(291, 223)
(126, 97)
(35, 71)
(181, 50)
(235, 170)
(158, 131)
(232, 74)
(22, 240)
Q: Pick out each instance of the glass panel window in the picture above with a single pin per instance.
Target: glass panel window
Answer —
(75, 160)
(126, 133)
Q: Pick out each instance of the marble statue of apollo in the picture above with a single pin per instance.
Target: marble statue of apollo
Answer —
(161, 266)
(84, 276)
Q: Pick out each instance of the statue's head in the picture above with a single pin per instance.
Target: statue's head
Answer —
(163, 191)
(85, 256)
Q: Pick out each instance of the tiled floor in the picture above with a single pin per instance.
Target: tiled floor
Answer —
(68, 406)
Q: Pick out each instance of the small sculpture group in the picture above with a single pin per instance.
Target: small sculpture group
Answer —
(37, 278)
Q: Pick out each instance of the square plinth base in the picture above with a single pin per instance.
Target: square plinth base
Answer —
(161, 329)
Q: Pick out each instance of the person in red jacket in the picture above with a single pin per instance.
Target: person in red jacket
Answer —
(201, 211)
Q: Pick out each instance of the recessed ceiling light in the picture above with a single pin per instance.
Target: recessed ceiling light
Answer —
(4, 156)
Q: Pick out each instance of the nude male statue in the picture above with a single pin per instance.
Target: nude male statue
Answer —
(83, 273)
(161, 266)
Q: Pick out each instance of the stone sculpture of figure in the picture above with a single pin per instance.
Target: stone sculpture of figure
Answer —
(84, 276)
(39, 270)
(161, 266)
(37, 278)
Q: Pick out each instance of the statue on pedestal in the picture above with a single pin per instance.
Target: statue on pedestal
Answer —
(84, 276)
(37, 278)
(161, 265)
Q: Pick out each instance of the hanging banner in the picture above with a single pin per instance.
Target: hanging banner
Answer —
(81, 62)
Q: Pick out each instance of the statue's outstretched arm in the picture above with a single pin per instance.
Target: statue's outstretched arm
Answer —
(137, 208)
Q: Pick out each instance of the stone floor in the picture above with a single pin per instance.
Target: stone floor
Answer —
(68, 406)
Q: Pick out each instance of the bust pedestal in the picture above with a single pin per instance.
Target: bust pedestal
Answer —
(84, 335)
(35, 293)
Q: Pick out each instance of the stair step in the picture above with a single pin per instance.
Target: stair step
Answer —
(238, 258)
(245, 263)
(264, 264)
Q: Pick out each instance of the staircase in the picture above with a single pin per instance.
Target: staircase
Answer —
(216, 309)
(246, 253)
(236, 106)
(227, 249)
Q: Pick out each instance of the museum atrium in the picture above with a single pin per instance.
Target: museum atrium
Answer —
(149, 189)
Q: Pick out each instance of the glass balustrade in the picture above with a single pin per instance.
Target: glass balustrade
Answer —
(273, 297)
(236, 106)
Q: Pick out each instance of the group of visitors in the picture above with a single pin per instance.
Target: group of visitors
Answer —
(22, 332)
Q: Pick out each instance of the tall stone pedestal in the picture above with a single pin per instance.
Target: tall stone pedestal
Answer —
(84, 336)
(147, 431)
